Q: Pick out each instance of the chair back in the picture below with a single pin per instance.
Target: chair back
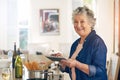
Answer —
(114, 67)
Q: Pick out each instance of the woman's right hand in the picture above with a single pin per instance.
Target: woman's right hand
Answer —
(57, 55)
(62, 62)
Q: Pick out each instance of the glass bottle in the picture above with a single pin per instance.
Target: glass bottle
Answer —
(14, 56)
(18, 66)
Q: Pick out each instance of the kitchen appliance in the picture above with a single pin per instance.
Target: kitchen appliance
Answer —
(55, 77)
(57, 74)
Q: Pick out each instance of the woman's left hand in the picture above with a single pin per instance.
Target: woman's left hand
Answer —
(70, 62)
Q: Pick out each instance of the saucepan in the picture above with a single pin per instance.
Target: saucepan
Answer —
(38, 74)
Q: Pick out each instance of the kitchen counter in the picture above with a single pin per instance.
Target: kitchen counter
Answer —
(52, 75)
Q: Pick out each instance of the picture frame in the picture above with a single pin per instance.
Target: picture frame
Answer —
(49, 22)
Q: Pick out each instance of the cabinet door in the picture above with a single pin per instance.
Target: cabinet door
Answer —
(116, 26)
(119, 40)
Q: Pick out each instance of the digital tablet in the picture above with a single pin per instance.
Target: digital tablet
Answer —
(53, 58)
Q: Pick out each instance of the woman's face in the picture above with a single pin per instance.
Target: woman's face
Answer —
(82, 25)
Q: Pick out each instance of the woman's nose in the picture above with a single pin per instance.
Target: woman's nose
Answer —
(79, 24)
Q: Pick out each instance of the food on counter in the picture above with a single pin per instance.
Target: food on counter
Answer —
(33, 65)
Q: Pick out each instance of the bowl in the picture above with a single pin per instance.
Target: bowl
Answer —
(5, 63)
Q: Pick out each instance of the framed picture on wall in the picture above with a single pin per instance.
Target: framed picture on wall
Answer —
(49, 21)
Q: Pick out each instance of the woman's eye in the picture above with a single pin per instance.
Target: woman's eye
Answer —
(82, 21)
(75, 22)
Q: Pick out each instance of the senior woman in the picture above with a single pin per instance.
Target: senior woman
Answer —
(87, 59)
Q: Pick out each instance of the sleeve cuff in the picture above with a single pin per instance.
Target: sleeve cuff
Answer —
(61, 69)
(92, 70)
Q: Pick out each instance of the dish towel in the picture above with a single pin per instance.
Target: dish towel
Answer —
(78, 49)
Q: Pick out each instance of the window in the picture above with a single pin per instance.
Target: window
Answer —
(23, 22)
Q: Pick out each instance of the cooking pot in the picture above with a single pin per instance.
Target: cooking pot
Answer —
(37, 74)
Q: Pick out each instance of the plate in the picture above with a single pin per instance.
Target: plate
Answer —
(55, 58)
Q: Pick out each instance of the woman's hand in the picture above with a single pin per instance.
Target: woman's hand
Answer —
(70, 63)
(57, 55)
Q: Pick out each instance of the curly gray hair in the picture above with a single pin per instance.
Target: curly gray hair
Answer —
(86, 11)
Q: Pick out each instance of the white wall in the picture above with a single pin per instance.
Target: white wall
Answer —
(105, 21)
(8, 23)
(3, 24)
(12, 28)
(64, 7)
